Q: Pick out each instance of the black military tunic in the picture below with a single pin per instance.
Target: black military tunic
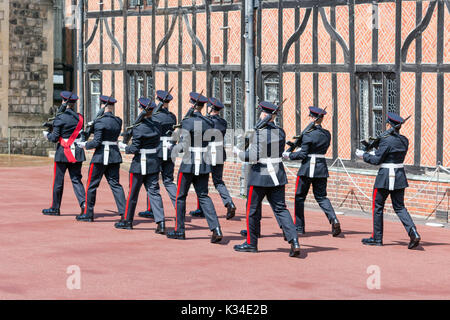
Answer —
(167, 120)
(194, 169)
(105, 161)
(313, 170)
(145, 168)
(267, 178)
(391, 180)
(69, 157)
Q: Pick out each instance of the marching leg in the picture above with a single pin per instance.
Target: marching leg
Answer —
(59, 170)
(151, 182)
(320, 194)
(217, 176)
(112, 175)
(135, 186)
(184, 182)
(95, 175)
(397, 197)
(77, 183)
(378, 200)
(167, 168)
(302, 188)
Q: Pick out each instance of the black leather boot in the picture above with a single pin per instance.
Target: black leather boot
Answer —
(82, 209)
(231, 210)
(124, 224)
(244, 234)
(146, 214)
(161, 228)
(245, 247)
(372, 242)
(295, 248)
(85, 217)
(414, 238)
(197, 213)
(176, 235)
(300, 229)
(51, 212)
(216, 235)
(335, 228)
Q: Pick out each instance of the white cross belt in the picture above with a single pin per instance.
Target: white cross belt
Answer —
(214, 145)
(312, 164)
(144, 153)
(106, 150)
(392, 167)
(197, 158)
(270, 162)
(166, 143)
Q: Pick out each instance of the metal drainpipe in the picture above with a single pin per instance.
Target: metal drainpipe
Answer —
(80, 60)
(9, 141)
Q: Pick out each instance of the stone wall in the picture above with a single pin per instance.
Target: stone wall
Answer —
(28, 82)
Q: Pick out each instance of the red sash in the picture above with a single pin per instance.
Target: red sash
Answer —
(73, 136)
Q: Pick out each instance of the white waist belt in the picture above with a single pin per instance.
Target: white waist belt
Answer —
(106, 150)
(312, 164)
(214, 145)
(197, 158)
(392, 167)
(270, 162)
(166, 143)
(72, 146)
(144, 153)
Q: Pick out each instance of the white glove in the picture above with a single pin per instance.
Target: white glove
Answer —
(81, 144)
(372, 152)
(285, 155)
(359, 153)
(122, 146)
(45, 133)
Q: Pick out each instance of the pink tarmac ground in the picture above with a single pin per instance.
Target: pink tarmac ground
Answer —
(36, 251)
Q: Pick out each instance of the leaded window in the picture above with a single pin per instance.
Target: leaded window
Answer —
(141, 85)
(95, 89)
(377, 96)
(272, 93)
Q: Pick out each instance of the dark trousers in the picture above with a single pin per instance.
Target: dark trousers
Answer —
(151, 184)
(111, 172)
(320, 194)
(397, 198)
(201, 189)
(167, 168)
(276, 198)
(217, 177)
(58, 182)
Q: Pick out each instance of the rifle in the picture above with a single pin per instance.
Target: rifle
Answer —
(49, 123)
(161, 103)
(128, 133)
(298, 139)
(260, 125)
(192, 109)
(89, 127)
(373, 142)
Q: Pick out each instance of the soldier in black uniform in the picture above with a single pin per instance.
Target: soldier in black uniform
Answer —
(167, 120)
(267, 178)
(313, 170)
(391, 180)
(106, 159)
(144, 168)
(194, 169)
(218, 157)
(68, 156)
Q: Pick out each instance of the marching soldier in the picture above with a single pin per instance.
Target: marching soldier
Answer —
(267, 178)
(313, 170)
(68, 156)
(218, 157)
(194, 169)
(106, 159)
(391, 180)
(144, 168)
(167, 120)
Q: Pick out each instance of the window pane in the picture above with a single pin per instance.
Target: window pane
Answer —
(132, 98)
(227, 89)
(150, 92)
(216, 87)
(364, 108)
(377, 95)
(238, 98)
(377, 122)
(391, 95)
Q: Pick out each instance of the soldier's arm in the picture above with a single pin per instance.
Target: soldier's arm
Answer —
(251, 154)
(57, 127)
(303, 153)
(98, 135)
(380, 153)
(135, 143)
